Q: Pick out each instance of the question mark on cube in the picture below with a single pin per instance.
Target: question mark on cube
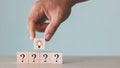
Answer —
(45, 57)
(56, 56)
(34, 56)
(22, 56)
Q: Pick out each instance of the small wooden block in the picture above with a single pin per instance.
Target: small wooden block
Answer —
(22, 57)
(45, 58)
(34, 57)
(56, 58)
(39, 43)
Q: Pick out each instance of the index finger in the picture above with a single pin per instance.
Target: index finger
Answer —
(31, 29)
(35, 15)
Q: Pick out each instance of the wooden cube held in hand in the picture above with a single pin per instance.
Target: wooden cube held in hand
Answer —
(39, 43)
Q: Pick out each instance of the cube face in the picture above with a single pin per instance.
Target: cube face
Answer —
(45, 58)
(56, 58)
(34, 57)
(22, 57)
(39, 43)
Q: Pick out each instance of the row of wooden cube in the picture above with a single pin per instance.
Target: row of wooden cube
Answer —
(40, 57)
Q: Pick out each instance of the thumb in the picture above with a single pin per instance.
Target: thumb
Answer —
(51, 29)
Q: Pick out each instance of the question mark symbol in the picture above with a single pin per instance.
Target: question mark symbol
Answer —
(34, 56)
(23, 56)
(57, 56)
(45, 55)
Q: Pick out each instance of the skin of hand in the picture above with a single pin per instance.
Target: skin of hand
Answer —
(56, 11)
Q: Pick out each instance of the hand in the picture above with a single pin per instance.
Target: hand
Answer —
(56, 11)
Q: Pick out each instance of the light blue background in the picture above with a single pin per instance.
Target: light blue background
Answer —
(93, 29)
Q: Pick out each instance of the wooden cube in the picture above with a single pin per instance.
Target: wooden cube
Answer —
(34, 57)
(39, 43)
(22, 57)
(45, 58)
(56, 58)
(51, 58)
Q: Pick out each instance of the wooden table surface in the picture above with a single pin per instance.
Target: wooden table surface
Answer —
(69, 62)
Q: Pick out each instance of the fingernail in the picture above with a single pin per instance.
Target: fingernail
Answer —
(31, 38)
(47, 37)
